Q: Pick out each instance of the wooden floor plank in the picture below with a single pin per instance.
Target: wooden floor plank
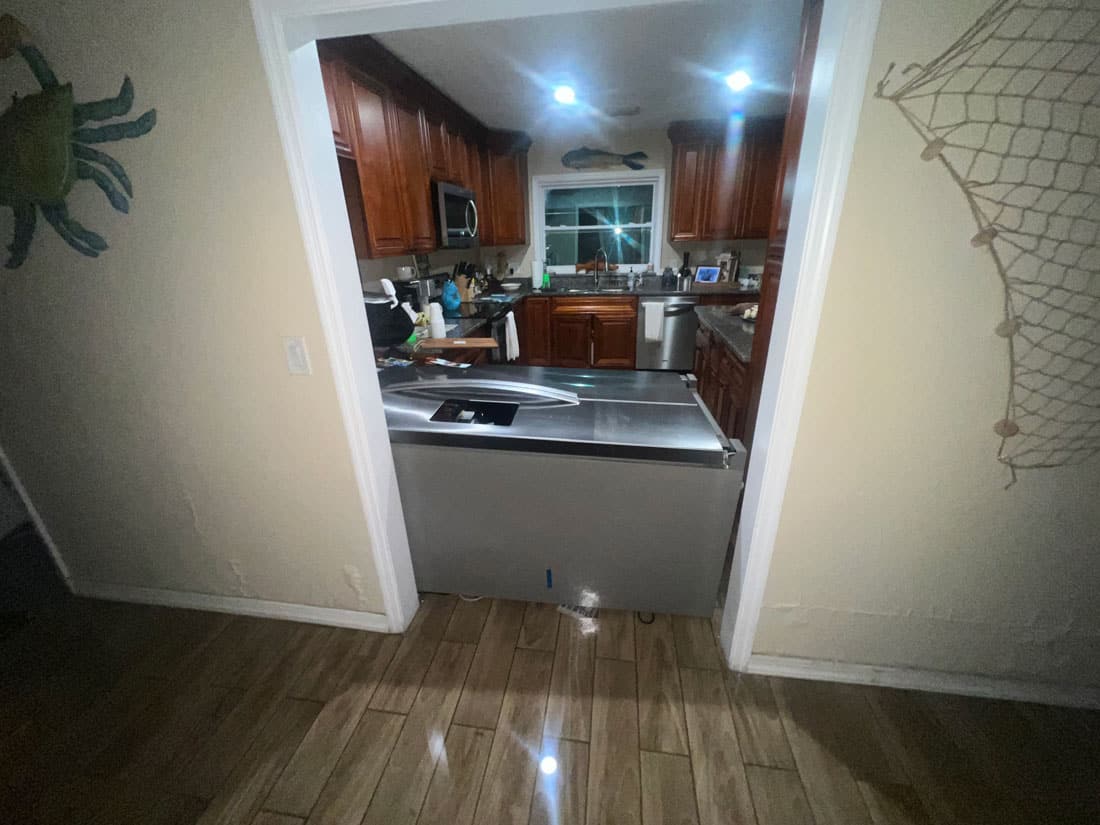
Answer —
(301, 782)
(513, 760)
(695, 645)
(405, 781)
(891, 804)
(483, 693)
(615, 635)
(668, 793)
(215, 760)
(540, 626)
(349, 789)
(569, 706)
(614, 790)
(401, 682)
(949, 784)
(561, 794)
(661, 725)
(324, 676)
(452, 794)
(721, 786)
(778, 796)
(253, 777)
(759, 729)
(272, 818)
(467, 620)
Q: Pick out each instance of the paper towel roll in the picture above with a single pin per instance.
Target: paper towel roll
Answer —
(536, 274)
(436, 325)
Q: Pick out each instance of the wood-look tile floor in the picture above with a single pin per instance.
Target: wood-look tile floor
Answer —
(496, 713)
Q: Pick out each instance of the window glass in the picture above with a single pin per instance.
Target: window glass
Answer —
(580, 220)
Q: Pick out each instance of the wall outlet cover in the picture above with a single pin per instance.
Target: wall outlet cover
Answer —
(297, 356)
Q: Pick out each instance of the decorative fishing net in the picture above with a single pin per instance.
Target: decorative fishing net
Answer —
(1012, 112)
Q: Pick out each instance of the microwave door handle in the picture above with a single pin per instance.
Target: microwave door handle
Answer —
(472, 230)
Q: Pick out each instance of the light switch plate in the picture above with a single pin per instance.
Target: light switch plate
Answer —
(297, 356)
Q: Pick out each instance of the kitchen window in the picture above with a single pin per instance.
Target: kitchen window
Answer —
(578, 214)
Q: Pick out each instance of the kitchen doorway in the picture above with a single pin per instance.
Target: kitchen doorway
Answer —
(287, 33)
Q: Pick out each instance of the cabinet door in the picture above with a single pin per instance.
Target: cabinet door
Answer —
(535, 348)
(763, 143)
(720, 217)
(457, 167)
(485, 228)
(335, 79)
(379, 172)
(699, 368)
(690, 167)
(613, 341)
(508, 182)
(571, 340)
(417, 186)
(435, 145)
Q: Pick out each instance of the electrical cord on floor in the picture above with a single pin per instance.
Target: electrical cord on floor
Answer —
(643, 620)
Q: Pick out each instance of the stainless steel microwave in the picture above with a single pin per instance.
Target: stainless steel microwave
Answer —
(456, 215)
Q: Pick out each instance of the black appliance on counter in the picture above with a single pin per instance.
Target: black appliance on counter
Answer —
(456, 215)
(389, 324)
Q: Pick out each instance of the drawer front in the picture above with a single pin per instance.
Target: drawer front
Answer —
(596, 305)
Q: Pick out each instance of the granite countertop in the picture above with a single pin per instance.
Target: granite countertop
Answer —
(731, 330)
(612, 285)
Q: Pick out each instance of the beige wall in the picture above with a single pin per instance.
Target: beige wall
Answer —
(144, 396)
(898, 543)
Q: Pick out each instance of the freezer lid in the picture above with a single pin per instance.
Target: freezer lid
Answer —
(613, 414)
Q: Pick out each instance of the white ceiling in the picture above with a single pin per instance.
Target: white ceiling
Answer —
(670, 60)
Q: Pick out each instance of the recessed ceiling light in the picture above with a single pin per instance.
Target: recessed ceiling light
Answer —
(739, 80)
(548, 765)
(565, 94)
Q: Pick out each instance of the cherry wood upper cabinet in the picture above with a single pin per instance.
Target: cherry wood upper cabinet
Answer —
(508, 184)
(760, 177)
(436, 144)
(458, 167)
(720, 173)
(335, 78)
(379, 171)
(414, 175)
(724, 172)
(485, 228)
(690, 171)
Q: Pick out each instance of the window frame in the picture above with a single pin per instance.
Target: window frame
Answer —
(586, 180)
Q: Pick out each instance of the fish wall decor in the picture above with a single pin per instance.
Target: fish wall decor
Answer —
(46, 142)
(585, 158)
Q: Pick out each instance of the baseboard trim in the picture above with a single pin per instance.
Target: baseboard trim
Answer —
(36, 518)
(931, 680)
(337, 617)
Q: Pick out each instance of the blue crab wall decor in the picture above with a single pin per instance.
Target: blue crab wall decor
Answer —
(45, 142)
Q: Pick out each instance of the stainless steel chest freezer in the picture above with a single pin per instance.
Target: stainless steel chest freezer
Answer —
(593, 487)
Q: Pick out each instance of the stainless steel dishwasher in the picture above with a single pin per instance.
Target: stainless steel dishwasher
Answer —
(676, 349)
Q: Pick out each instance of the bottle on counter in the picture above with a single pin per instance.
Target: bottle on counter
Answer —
(683, 277)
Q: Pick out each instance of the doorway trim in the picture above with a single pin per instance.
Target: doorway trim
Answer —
(837, 89)
(286, 31)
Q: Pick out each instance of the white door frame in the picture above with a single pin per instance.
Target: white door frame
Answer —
(286, 30)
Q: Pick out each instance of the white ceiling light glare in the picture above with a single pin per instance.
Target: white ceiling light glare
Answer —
(565, 95)
(548, 765)
(738, 81)
(618, 230)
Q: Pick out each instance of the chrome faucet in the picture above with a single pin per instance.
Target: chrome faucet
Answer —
(596, 266)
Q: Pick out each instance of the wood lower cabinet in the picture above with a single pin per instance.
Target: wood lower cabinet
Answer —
(593, 332)
(571, 337)
(613, 341)
(535, 348)
(723, 383)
